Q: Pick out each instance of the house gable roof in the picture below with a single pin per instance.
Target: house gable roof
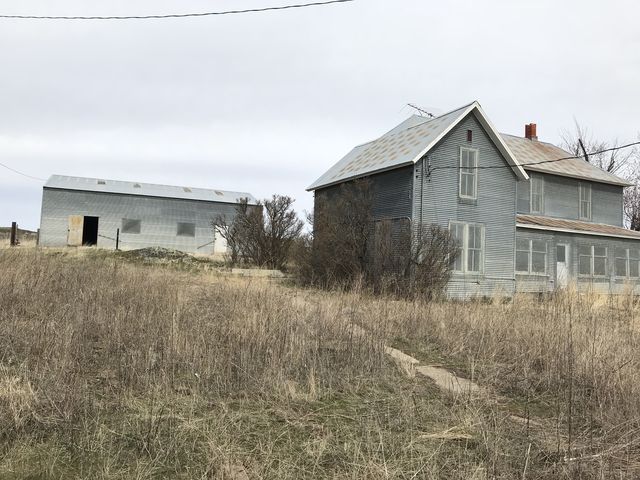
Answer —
(407, 143)
(531, 152)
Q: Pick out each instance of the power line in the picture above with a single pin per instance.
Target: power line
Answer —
(525, 165)
(20, 173)
(174, 15)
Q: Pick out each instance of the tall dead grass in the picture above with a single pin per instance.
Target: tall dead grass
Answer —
(569, 360)
(116, 370)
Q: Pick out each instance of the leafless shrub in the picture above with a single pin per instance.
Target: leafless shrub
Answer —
(389, 255)
(343, 230)
(261, 234)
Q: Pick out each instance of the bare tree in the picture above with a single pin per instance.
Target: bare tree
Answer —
(612, 161)
(261, 234)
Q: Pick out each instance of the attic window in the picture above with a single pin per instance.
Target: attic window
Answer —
(469, 135)
(101, 182)
(136, 185)
(186, 189)
(218, 192)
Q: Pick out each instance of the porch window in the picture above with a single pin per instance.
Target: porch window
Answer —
(622, 262)
(592, 261)
(468, 173)
(537, 194)
(584, 190)
(634, 262)
(469, 238)
(627, 262)
(531, 256)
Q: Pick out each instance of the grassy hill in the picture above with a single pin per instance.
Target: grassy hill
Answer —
(112, 369)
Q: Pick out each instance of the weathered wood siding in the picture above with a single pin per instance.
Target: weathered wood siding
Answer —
(561, 199)
(436, 202)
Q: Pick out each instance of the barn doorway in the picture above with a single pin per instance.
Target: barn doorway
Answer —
(90, 231)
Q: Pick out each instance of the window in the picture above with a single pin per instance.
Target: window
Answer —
(130, 226)
(537, 194)
(599, 261)
(470, 240)
(584, 190)
(592, 261)
(531, 256)
(627, 263)
(457, 232)
(468, 173)
(634, 263)
(186, 229)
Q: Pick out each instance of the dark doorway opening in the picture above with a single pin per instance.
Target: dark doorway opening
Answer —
(90, 231)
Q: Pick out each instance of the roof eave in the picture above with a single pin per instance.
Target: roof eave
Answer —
(314, 187)
(571, 230)
(501, 144)
(491, 130)
(621, 183)
(484, 121)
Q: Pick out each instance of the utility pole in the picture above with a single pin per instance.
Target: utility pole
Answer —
(584, 150)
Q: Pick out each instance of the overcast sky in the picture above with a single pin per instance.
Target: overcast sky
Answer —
(266, 102)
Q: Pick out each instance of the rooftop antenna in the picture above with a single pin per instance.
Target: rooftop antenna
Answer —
(421, 111)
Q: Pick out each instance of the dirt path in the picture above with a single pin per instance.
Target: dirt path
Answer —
(442, 377)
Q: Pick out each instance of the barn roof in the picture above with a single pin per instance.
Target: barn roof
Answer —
(530, 154)
(406, 144)
(145, 189)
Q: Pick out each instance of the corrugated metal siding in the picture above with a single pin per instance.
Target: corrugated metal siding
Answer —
(544, 283)
(159, 218)
(436, 201)
(391, 193)
(561, 199)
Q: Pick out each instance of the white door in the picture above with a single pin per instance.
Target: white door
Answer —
(74, 233)
(562, 265)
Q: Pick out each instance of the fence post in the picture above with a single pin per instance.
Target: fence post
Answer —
(117, 238)
(14, 234)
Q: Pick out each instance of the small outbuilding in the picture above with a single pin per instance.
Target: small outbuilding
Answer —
(91, 211)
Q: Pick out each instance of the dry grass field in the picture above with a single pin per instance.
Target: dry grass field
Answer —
(112, 370)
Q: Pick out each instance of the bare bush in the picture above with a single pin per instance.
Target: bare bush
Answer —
(390, 255)
(261, 234)
(342, 229)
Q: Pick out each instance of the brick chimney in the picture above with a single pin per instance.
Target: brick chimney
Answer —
(530, 131)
